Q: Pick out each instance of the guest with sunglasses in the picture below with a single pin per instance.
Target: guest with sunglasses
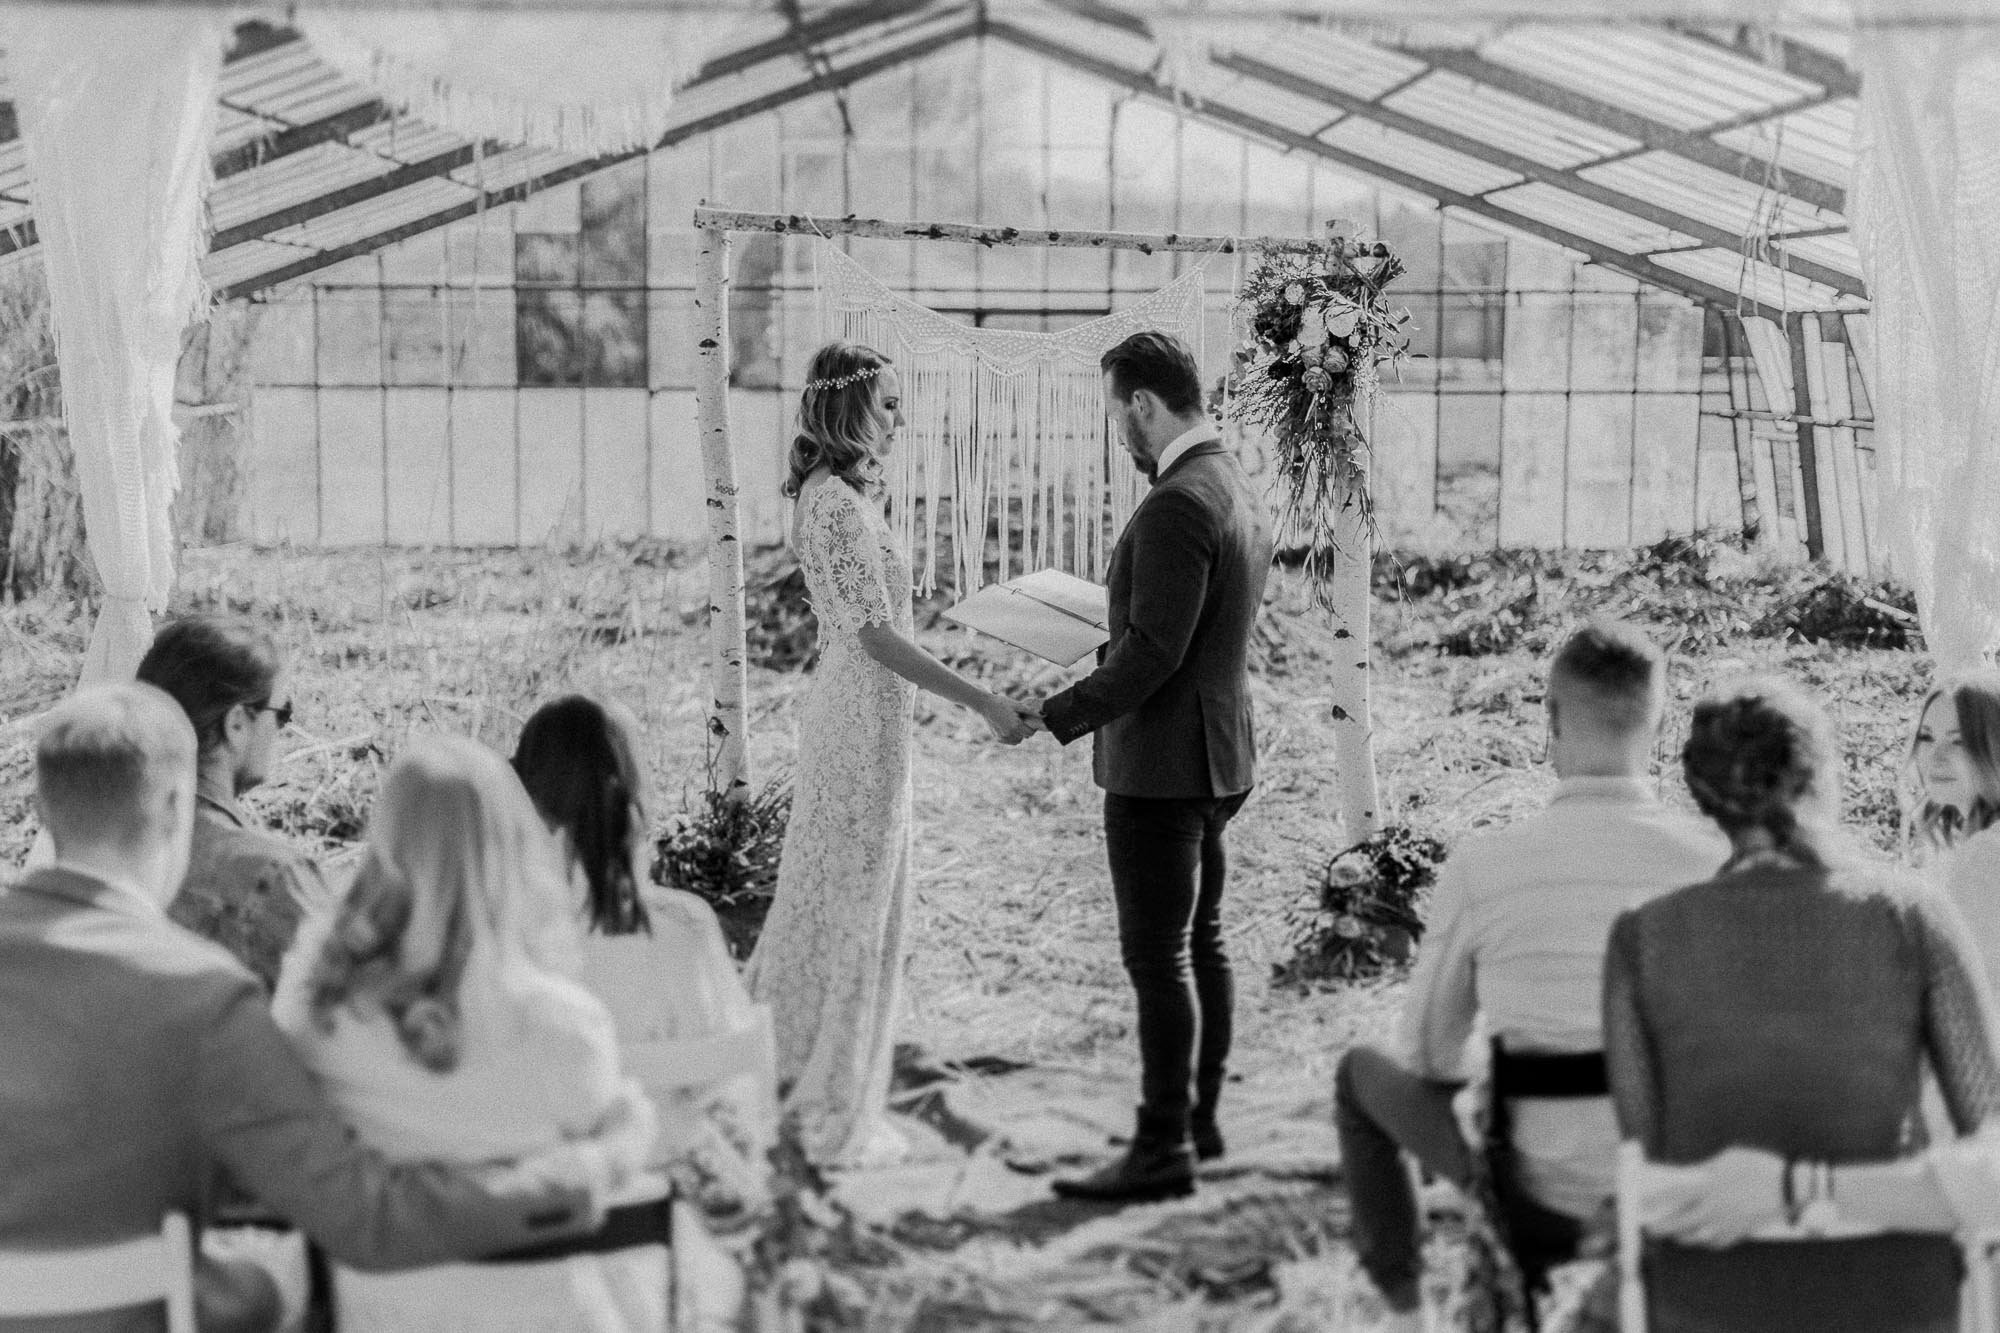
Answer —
(247, 888)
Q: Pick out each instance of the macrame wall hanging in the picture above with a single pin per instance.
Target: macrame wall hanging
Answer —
(1008, 435)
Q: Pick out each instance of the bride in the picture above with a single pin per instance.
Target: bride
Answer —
(829, 961)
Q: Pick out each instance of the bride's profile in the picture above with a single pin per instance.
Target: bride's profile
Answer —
(830, 959)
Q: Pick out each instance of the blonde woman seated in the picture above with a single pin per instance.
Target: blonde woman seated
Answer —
(1955, 757)
(656, 957)
(434, 1008)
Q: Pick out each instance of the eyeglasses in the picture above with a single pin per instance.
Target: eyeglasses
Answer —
(282, 712)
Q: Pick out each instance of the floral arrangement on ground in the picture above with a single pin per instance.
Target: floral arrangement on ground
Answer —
(1320, 332)
(1365, 911)
(726, 852)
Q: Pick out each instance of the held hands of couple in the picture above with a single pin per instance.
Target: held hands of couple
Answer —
(1011, 720)
(603, 1164)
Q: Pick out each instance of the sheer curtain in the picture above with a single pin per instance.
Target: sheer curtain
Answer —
(117, 107)
(1925, 210)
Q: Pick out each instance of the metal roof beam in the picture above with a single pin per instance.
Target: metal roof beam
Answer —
(1653, 134)
(1569, 181)
(838, 78)
(1211, 109)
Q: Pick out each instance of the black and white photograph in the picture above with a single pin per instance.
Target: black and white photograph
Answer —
(1019, 666)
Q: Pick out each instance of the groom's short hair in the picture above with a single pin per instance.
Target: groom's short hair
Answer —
(1156, 361)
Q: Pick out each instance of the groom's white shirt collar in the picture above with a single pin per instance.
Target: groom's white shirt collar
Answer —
(1183, 442)
(126, 889)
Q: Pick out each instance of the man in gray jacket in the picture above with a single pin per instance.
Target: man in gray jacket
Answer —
(1169, 705)
(142, 1066)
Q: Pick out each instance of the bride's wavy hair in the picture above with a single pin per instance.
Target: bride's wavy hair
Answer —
(1975, 702)
(457, 862)
(837, 428)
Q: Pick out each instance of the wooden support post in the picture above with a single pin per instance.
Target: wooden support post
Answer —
(728, 648)
(1808, 436)
(1353, 719)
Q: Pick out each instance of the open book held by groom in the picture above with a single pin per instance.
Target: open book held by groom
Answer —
(1056, 616)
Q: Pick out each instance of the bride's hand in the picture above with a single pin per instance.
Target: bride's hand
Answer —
(1008, 719)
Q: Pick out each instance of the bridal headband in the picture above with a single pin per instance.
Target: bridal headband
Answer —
(842, 381)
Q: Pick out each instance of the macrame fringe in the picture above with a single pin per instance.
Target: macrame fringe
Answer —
(593, 127)
(1009, 426)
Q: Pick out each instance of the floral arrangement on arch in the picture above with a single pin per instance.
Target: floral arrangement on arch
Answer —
(1320, 331)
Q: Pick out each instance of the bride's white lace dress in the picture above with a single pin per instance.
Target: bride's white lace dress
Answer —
(829, 961)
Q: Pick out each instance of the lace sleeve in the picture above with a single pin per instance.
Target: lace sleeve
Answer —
(850, 557)
(1958, 1012)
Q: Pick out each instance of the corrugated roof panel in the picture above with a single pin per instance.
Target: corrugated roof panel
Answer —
(376, 215)
(1301, 115)
(293, 179)
(1818, 141)
(405, 140)
(1130, 49)
(226, 268)
(1592, 221)
(1834, 251)
(501, 170)
(1705, 194)
(1477, 111)
(1755, 279)
(1358, 68)
(1675, 80)
(269, 73)
(10, 213)
(1419, 157)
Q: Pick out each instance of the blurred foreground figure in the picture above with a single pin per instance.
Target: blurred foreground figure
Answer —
(140, 1061)
(1793, 1003)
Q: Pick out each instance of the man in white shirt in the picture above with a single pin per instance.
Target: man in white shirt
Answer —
(1517, 932)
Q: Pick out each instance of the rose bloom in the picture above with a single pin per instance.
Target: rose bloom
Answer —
(1296, 293)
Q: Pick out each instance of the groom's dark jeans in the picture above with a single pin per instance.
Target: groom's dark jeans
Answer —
(1167, 872)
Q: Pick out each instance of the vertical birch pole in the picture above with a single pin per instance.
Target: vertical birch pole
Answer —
(1353, 722)
(728, 649)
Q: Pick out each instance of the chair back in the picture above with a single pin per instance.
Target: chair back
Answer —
(1631, 1296)
(664, 1068)
(155, 1269)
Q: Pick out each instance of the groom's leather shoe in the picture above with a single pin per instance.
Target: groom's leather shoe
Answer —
(1207, 1138)
(1158, 1165)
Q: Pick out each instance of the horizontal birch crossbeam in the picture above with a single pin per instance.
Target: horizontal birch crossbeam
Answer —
(802, 224)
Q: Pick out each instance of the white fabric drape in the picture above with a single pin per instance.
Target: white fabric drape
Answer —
(117, 107)
(1926, 194)
(595, 81)
(1009, 423)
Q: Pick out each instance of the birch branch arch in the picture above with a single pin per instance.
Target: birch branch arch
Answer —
(728, 653)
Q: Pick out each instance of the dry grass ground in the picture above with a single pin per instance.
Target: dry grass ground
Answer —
(1013, 953)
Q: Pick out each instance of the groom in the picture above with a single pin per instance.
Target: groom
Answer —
(1169, 704)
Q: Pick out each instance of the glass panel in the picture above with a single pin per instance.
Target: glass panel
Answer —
(413, 325)
(614, 339)
(547, 348)
(545, 259)
(614, 228)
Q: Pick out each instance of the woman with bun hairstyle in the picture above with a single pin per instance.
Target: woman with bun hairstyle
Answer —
(1792, 1004)
(830, 959)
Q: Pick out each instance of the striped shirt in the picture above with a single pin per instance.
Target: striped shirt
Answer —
(1516, 937)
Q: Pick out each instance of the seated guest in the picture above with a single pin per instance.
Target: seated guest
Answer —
(246, 887)
(434, 1008)
(655, 956)
(139, 1059)
(1516, 934)
(1955, 755)
(1792, 1003)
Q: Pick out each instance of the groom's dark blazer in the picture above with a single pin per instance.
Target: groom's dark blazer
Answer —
(1170, 699)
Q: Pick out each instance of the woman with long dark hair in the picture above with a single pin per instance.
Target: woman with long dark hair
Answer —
(830, 959)
(246, 887)
(1792, 1004)
(1955, 759)
(655, 956)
